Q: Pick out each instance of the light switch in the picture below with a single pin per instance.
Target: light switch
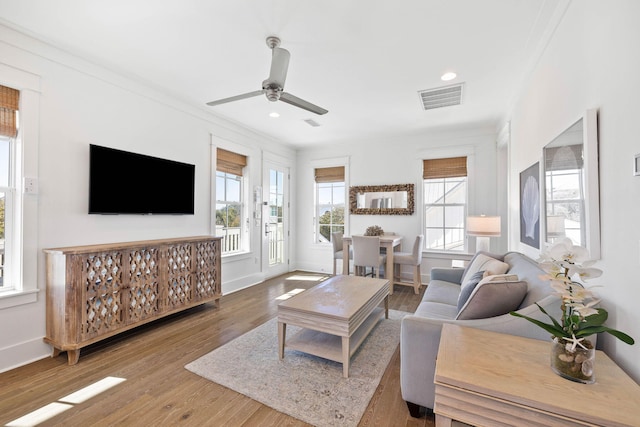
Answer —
(30, 185)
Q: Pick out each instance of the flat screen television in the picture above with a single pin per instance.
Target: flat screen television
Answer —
(121, 182)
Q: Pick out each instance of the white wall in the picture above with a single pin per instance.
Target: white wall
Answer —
(592, 61)
(399, 161)
(82, 104)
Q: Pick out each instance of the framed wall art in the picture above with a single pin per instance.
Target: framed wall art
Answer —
(530, 206)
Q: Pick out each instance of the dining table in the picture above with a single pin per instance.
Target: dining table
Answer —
(390, 242)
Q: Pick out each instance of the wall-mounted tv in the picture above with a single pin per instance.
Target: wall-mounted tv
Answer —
(121, 182)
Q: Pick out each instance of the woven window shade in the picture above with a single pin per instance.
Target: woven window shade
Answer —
(230, 162)
(9, 99)
(444, 168)
(333, 174)
(563, 158)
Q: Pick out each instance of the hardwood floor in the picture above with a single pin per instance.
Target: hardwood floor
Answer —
(158, 390)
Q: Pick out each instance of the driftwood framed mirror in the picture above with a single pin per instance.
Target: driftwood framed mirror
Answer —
(382, 199)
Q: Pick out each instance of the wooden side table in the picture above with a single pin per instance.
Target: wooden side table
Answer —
(489, 379)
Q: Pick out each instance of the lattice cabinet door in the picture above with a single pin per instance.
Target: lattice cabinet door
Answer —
(144, 299)
(103, 280)
(179, 286)
(207, 270)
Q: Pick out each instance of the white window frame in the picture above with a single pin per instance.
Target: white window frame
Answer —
(243, 207)
(469, 151)
(10, 280)
(247, 210)
(327, 163)
(444, 206)
(317, 205)
(551, 202)
(24, 222)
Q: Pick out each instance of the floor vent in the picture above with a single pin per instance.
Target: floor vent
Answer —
(446, 96)
(312, 122)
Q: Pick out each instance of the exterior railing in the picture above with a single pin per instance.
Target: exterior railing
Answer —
(276, 236)
(231, 241)
(230, 238)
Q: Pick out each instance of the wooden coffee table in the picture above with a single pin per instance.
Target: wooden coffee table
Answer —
(337, 315)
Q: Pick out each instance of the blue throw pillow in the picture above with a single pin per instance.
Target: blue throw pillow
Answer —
(468, 287)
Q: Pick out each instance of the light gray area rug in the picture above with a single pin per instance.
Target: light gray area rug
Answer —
(306, 387)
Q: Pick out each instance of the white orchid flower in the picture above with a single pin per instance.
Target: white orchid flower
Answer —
(586, 309)
(552, 268)
(587, 273)
(567, 254)
(560, 287)
(581, 293)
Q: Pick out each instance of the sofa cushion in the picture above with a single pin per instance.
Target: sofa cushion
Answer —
(484, 262)
(468, 287)
(442, 292)
(493, 298)
(436, 310)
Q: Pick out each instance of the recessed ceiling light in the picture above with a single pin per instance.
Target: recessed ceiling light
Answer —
(274, 114)
(448, 76)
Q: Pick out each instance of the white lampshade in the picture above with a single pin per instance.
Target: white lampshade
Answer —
(483, 226)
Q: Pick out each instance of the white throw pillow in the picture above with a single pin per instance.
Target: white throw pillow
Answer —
(483, 262)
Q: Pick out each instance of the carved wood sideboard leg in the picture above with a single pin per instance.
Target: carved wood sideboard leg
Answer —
(55, 352)
(73, 356)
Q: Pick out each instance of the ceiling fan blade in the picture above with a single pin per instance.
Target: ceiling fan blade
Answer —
(301, 103)
(279, 65)
(237, 97)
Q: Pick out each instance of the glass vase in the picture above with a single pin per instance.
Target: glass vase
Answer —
(577, 365)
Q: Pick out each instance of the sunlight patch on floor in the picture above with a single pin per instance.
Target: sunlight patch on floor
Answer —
(51, 410)
(309, 277)
(289, 294)
(91, 390)
(40, 415)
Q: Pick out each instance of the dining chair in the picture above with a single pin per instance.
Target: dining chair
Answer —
(366, 253)
(336, 241)
(414, 259)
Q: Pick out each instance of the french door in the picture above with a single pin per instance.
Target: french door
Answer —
(275, 236)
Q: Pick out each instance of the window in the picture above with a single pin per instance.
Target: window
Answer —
(9, 250)
(445, 203)
(330, 198)
(565, 193)
(230, 212)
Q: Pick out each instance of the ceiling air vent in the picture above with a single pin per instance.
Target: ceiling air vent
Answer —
(441, 97)
(312, 122)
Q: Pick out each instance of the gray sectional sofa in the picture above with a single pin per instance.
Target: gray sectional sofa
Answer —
(518, 289)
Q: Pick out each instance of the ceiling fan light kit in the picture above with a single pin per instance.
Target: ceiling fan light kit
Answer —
(273, 86)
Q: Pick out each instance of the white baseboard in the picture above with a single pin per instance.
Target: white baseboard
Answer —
(22, 354)
(240, 283)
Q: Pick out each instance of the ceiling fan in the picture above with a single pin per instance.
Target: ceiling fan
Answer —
(273, 87)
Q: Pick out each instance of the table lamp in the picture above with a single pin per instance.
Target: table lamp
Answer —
(483, 227)
(555, 227)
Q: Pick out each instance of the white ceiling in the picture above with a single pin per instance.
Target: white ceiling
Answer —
(363, 60)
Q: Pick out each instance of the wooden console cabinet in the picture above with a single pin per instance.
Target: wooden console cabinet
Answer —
(97, 291)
